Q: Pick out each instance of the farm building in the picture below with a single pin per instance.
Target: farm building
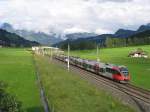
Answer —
(46, 50)
(139, 53)
(35, 48)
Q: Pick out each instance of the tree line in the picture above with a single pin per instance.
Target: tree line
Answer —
(80, 45)
(139, 39)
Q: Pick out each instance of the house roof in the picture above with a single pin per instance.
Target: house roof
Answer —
(138, 52)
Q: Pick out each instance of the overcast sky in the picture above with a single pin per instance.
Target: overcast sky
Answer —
(99, 16)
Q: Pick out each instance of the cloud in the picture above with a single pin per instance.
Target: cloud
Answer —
(99, 16)
(114, 0)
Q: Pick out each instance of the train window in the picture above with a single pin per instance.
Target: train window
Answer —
(90, 66)
(101, 70)
(115, 72)
(109, 70)
(124, 71)
(85, 65)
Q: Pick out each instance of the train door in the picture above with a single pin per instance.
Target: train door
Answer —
(88, 66)
(102, 71)
(85, 65)
(92, 68)
(96, 68)
(108, 73)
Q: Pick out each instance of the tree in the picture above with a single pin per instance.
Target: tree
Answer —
(109, 42)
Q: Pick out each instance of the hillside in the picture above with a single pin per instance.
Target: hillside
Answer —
(142, 34)
(13, 40)
(142, 38)
(122, 33)
(40, 37)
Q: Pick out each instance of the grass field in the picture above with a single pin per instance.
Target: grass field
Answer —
(139, 67)
(17, 70)
(67, 92)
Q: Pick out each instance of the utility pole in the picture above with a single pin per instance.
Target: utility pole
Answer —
(56, 51)
(68, 56)
(97, 53)
(51, 53)
(43, 51)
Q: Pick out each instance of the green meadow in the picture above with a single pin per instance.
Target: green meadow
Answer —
(139, 68)
(67, 92)
(17, 70)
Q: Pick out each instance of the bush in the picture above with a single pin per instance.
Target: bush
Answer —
(8, 103)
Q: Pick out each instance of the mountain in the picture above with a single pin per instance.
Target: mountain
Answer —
(53, 39)
(39, 37)
(74, 36)
(121, 33)
(144, 28)
(81, 37)
(141, 34)
(7, 27)
(127, 33)
(13, 40)
(99, 39)
(124, 33)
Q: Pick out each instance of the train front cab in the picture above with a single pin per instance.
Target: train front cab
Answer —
(122, 76)
(125, 73)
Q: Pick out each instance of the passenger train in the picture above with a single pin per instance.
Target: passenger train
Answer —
(111, 71)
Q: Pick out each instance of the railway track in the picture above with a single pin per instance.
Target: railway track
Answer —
(139, 95)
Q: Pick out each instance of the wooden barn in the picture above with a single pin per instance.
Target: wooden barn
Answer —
(139, 53)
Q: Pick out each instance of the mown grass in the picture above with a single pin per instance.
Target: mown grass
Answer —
(17, 70)
(139, 67)
(67, 92)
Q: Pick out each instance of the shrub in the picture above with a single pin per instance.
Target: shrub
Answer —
(8, 103)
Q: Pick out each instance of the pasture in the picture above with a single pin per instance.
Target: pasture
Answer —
(139, 68)
(67, 92)
(17, 70)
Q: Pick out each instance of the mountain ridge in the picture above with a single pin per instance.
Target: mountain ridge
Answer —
(120, 33)
(13, 40)
(39, 37)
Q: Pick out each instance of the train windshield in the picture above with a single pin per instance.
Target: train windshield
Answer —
(124, 71)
